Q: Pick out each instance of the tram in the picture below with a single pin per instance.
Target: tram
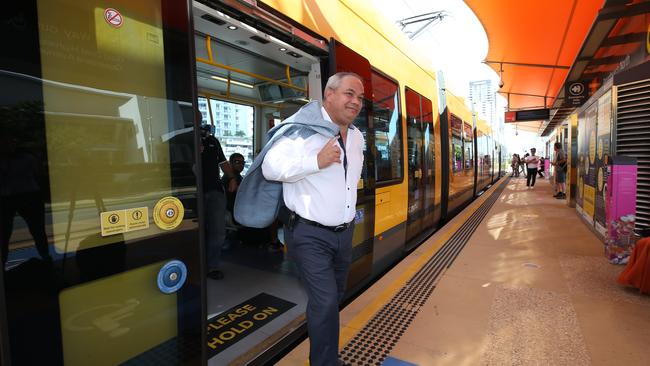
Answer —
(103, 261)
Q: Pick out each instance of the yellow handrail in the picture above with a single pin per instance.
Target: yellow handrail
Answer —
(208, 46)
(210, 61)
(287, 69)
(203, 93)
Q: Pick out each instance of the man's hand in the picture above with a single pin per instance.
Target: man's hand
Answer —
(329, 154)
(232, 185)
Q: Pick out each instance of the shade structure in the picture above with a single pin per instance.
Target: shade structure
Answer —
(532, 44)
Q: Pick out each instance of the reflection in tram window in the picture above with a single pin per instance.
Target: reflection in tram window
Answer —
(469, 146)
(388, 128)
(415, 140)
(456, 144)
(22, 206)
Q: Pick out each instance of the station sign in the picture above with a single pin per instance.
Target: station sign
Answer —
(528, 115)
(575, 93)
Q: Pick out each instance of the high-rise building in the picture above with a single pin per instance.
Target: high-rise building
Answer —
(482, 95)
(233, 125)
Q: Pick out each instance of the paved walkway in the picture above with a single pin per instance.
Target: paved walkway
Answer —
(531, 287)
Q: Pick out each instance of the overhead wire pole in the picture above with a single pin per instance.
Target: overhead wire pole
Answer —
(429, 18)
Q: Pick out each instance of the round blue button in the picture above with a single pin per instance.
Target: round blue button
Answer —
(172, 276)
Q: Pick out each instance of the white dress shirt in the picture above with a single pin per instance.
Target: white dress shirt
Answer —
(530, 161)
(327, 195)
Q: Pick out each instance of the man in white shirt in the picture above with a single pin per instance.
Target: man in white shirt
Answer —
(531, 163)
(319, 183)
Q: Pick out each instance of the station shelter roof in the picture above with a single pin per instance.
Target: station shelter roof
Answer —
(533, 45)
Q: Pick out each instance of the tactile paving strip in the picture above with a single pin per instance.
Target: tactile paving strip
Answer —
(376, 340)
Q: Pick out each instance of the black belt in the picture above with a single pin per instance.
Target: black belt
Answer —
(336, 229)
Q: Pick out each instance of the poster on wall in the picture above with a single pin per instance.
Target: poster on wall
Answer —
(580, 162)
(588, 157)
(603, 151)
(620, 201)
(590, 162)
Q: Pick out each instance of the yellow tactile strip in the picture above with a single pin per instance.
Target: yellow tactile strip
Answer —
(521, 317)
(381, 333)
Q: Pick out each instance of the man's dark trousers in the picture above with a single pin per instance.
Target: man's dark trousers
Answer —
(532, 174)
(323, 259)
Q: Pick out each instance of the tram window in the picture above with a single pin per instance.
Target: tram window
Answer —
(388, 129)
(456, 144)
(203, 108)
(469, 146)
(414, 136)
(270, 92)
(429, 137)
(234, 124)
(481, 148)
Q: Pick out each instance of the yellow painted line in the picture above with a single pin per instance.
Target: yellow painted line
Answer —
(360, 320)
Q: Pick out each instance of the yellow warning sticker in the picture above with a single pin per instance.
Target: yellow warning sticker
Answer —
(168, 213)
(123, 221)
(113, 222)
(137, 218)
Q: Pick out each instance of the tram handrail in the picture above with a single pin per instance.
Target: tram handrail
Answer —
(230, 98)
(210, 61)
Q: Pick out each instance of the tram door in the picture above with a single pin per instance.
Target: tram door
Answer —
(341, 59)
(421, 164)
(100, 237)
(416, 181)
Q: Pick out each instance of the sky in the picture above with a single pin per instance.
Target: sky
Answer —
(457, 45)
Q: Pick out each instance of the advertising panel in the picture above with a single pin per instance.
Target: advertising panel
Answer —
(580, 161)
(621, 208)
(588, 163)
(603, 151)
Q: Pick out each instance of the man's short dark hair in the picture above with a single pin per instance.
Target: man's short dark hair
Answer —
(558, 145)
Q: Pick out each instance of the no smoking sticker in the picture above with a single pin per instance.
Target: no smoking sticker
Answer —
(113, 17)
(168, 213)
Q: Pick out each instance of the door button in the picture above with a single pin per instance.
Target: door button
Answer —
(172, 276)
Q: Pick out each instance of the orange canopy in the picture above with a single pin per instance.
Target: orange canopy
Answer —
(534, 43)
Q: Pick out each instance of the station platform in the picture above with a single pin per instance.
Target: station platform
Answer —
(515, 279)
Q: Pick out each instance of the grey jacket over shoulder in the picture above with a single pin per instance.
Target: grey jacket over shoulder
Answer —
(259, 200)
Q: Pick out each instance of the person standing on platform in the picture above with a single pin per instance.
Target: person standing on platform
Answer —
(532, 162)
(560, 165)
(319, 182)
(522, 163)
(214, 199)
